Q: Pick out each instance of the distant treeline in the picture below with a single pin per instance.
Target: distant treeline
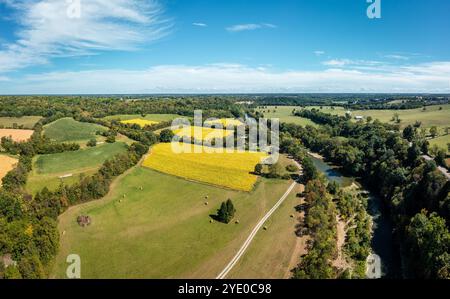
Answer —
(354, 101)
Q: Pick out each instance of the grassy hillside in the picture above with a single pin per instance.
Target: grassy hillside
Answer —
(166, 230)
(69, 130)
(48, 168)
(27, 122)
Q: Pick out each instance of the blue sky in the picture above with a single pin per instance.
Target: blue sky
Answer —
(202, 46)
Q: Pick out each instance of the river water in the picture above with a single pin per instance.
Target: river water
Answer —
(382, 240)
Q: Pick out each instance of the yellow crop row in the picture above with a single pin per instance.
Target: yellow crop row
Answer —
(226, 122)
(202, 133)
(141, 122)
(230, 170)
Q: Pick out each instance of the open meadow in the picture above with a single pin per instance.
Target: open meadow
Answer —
(24, 122)
(70, 130)
(165, 227)
(50, 170)
(230, 170)
(7, 163)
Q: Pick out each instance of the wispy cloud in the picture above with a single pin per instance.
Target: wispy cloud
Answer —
(200, 24)
(228, 77)
(250, 27)
(47, 30)
(319, 53)
(397, 57)
(349, 62)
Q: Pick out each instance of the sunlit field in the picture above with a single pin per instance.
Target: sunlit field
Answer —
(204, 133)
(225, 122)
(230, 170)
(6, 164)
(141, 122)
(16, 135)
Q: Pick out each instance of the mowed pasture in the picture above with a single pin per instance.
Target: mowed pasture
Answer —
(153, 225)
(284, 114)
(202, 133)
(24, 122)
(48, 169)
(16, 135)
(70, 130)
(229, 170)
(275, 251)
(7, 163)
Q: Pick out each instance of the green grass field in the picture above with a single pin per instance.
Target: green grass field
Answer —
(48, 168)
(69, 130)
(27, 122)
(150, 117)
(161, 231)
(441, 141)
(284, 113)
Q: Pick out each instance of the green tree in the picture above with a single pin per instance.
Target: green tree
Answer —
(226, 211)
(409, 133)
(433, 131)
(92, 143)
(166, 136)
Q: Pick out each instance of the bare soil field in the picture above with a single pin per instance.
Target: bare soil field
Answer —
(16, 135)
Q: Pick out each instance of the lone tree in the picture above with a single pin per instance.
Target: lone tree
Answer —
(92, 143)
(166, 136)
(226, 212)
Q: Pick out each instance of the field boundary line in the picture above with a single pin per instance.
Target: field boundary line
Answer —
(252, 235)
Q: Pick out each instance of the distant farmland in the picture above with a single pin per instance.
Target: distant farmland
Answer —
(230, 170)
(25, 122)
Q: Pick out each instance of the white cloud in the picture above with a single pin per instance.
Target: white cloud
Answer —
(229, 78)
(200, 24)
(319, 53)
(395, 56)
(351, 62)
(47, 30)
(250, 27)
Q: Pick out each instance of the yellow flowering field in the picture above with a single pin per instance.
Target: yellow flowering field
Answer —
(140, 122)
(230, 170)
(207, 133)
(226, 122)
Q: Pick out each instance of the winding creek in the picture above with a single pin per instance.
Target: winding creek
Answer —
(382, 241)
